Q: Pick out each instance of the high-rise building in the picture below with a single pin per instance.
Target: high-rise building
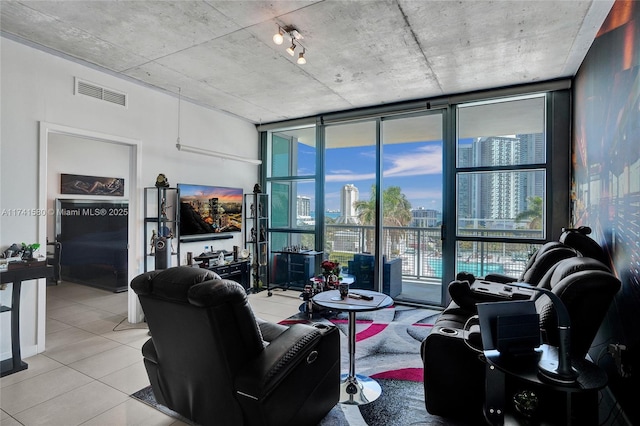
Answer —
(532, 183)
(500, 195)
(303, 211)
(465, 203)
(348, 197)
(303, 206)
(500, 192)
(505, 194)
(425, 218)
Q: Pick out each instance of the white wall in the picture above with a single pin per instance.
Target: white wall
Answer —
(80, 156)
(36, 86)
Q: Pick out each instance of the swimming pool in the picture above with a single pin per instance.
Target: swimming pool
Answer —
(476, 268)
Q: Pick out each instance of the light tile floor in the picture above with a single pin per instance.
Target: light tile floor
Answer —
(92, 362)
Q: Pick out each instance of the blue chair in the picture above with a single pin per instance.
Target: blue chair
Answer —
(362, 269)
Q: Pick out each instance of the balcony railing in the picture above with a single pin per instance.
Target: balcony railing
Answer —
(421, 250)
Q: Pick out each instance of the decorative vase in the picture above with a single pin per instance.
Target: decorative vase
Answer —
(333, 281)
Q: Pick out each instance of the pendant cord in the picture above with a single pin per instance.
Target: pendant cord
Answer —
(179, 104)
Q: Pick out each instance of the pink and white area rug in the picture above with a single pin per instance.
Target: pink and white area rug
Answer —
(387, 350)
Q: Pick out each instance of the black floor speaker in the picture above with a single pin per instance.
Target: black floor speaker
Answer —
(163, 253)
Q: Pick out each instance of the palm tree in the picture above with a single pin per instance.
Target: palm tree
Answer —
(396, 208)
(533, 213)
(396, 211)
(367, 216)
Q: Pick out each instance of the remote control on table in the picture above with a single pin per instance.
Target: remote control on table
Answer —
(360, 296)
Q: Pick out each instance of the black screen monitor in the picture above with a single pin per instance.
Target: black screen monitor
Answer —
(511, 327)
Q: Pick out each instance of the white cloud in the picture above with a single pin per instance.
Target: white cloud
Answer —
(426, 160)
(348, 176)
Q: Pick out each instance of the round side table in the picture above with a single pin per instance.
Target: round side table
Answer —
(355, 389)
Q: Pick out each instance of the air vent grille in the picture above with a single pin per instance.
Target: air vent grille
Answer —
(98, 92)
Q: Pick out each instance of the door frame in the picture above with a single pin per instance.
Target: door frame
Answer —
(446, 205)
(45, 129)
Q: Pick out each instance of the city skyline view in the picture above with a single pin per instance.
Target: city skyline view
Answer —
(416, 167)
(494, 165)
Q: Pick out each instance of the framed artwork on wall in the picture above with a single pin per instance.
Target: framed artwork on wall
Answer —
(91, 185)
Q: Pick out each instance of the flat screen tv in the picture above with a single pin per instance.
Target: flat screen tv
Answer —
(94, 242)
(209, 210)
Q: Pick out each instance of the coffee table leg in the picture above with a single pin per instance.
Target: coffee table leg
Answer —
(356, 389)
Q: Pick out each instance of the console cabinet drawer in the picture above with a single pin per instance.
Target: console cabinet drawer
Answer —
(238, 272)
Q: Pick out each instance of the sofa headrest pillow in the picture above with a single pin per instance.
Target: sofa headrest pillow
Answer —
(217, 292)
(545, 261)
(585, 245)
(172, 283)
(571, 266)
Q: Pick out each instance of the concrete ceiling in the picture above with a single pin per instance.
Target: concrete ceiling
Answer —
(359, 53)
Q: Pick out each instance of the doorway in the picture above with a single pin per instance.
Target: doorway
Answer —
(403, 156)
(412, 206)
(121, 150)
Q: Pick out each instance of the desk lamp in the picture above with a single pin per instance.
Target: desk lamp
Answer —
(559, 372)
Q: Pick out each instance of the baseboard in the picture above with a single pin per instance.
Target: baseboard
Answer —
(30, 350)
(25, 352)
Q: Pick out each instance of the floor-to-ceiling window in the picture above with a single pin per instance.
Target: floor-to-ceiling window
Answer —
(412, 182)
(466, 186)
(350, 175)
(501, 184)
(291, 168)
(410, 174)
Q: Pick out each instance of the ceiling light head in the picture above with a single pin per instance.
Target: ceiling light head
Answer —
(278, 37)
(291, 48)
(301, 59)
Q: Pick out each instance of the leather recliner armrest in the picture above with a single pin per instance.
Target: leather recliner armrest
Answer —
(500, 278)
(263, 374)
(461, 294)
(466, 297)
(270, 330)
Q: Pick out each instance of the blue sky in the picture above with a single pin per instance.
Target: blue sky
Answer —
(415, 167)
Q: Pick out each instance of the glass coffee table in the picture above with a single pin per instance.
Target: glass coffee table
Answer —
(355, 389)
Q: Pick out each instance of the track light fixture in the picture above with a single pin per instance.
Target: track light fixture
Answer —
(278, 37)
(295, 36)
(301, 59)
(291, 48)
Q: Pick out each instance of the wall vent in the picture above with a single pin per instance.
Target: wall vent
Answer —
(93, 90)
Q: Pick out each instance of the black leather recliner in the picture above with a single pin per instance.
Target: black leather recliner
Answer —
(454, 371)
(573, 242)
(538, 264)
(463, 299)
(586, 287)
(578, 238)
(212, 361)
